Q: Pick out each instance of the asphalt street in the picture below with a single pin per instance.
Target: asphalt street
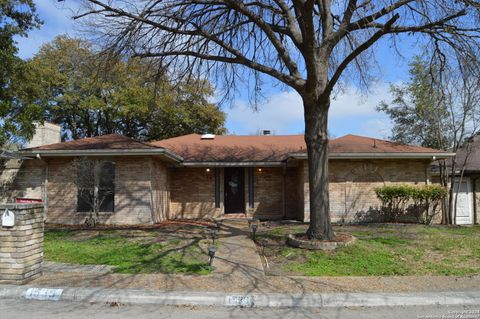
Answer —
(28, 309)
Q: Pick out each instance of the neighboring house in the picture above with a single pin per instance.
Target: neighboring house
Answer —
(467, 183)
(208, 176)
(7, 155)
(23, 179)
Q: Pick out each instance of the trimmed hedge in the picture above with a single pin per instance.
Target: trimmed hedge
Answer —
(401, 200)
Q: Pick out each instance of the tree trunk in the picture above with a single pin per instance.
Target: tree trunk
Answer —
(316, 138)
(451, 202)
(444, 174)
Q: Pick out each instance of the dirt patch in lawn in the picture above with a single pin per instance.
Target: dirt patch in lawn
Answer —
(165, 224)
(380, 250)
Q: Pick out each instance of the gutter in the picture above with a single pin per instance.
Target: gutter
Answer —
(7, 155)
(233, 164)
(433, 156)
(102, 152)
(176, 158)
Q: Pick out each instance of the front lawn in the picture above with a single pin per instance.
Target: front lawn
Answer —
(172, 249)
(381, 250)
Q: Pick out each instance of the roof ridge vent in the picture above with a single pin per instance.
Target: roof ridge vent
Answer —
(208, 137)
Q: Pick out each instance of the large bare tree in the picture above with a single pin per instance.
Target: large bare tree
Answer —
(308, 45)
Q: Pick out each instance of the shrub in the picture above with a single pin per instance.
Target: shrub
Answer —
(399, 200)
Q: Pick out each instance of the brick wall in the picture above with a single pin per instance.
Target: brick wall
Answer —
(20, 178)
(160, 191)
(146, 191)
(62, 193)
(268, 193)
(192, 193)
(133, 196)
(47, 133)
(352, 184)
(21, 246)
(133, 193)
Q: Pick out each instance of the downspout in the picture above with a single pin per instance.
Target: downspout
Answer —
(428, 171)
(284, 191)
(474, 189)
(428, 182)
(153, 204)
(45, 189)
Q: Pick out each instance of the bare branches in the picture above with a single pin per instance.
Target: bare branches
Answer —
(364, 46)
(293, 41)
(366, 20)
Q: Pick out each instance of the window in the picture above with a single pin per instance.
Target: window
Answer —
(95, 184)
(217, 187)
(106, 187)
(250, 187)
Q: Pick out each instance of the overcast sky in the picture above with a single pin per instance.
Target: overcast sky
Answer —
(351, 112)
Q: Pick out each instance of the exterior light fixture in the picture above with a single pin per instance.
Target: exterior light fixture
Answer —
(207, 170)
(213, 234)
(211, 255)
(259, 169)
(254, 231)
(264, 243)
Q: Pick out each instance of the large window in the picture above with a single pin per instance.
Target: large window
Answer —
(95, 184)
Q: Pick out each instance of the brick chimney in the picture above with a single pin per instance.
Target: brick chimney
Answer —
(46, 133)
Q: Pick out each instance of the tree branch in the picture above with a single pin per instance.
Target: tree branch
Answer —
(361, 48)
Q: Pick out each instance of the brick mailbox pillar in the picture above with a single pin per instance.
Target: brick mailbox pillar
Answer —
(21, 245)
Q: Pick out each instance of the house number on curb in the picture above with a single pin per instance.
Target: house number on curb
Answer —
(239, 300)
(43, 294)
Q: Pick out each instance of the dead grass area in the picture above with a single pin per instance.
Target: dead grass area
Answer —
(168, 223)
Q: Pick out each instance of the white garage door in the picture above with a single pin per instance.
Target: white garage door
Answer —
(463, 202)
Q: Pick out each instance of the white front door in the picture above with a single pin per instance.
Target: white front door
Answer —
(463, 201)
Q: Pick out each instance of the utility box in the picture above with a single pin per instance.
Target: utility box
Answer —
(8, 218)
(21, 242)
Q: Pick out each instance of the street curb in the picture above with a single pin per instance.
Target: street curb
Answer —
(133, 296)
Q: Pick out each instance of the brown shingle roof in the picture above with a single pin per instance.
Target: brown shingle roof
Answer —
(105, 142)
(231, 148)
(468, 157)
(361, 144)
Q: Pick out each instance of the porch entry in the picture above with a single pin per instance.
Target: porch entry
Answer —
(462, 197)
(234, 186)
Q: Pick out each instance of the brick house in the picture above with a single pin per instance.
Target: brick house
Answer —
(208, 176)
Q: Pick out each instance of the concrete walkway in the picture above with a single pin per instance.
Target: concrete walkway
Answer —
(53, 267)
(237, 253)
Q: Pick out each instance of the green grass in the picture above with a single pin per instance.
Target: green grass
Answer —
(383, 251)
(135, 252)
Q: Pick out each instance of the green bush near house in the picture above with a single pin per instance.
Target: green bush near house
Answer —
(400, 200)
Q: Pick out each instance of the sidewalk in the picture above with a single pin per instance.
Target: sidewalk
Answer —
(239, 272)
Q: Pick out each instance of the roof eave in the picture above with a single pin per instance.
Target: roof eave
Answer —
(103, 152)
(234, 164)
(9, 155)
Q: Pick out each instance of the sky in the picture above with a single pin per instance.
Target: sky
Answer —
(351, 111)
